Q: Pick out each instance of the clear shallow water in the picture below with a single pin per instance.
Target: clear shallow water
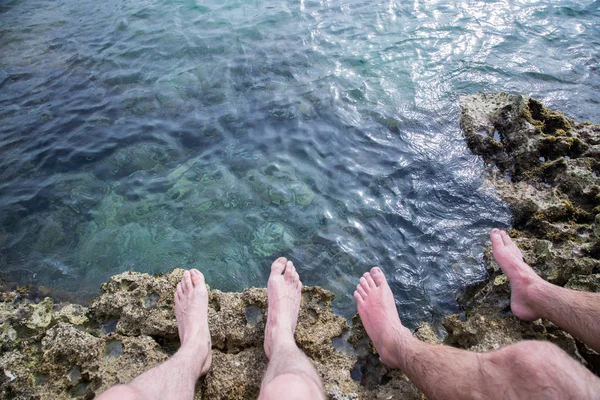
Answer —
(221, 135)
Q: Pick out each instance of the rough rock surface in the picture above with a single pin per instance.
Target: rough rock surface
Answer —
(543, 164)
(60, 351)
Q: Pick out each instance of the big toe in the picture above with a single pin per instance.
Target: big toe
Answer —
(197, 278)
(278, 266)
(378, 276)
(496, 239)
(504, 250)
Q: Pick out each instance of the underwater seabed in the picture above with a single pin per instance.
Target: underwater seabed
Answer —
(156, 218)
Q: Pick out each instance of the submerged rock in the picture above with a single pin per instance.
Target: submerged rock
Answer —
(148, 157)
(270, 238)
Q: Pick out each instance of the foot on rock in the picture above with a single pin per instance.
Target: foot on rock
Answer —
(523, 279)
(284, 292)
(191, 311)
(378, 313)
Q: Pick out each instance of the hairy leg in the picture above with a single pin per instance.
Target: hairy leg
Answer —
(176, 378)
(525, 370)
(290, 373)
(532, 297)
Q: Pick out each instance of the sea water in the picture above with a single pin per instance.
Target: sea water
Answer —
(154, 134)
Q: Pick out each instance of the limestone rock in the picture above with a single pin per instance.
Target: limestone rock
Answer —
(74, 314)
(553, 195)
(78, 352)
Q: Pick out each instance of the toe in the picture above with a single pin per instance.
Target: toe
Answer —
(289, 270)
(505, 238)
(278, 266)
(186, 282)
(364, 284)
(378, 276)
(496, 239)
(362, 292)
(197, 278)
(370, 280)
(358, 297)
(178, 292)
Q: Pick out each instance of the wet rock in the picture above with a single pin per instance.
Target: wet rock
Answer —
(270, 238)
(303, 194)
(41, 314)
(553, 195)
(175, 91)
(125, 161)
(79, 192)
(156, 247)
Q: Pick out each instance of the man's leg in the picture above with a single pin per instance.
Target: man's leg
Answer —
(532, 297)
(525, 370)
(290, 374)
(176, 378)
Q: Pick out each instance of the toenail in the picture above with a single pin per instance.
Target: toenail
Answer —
(495, 230)
(376, 270)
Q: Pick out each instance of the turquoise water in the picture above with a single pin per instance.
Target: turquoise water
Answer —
(155, 134)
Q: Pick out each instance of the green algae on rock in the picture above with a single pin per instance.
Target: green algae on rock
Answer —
(77, 352)
(545, 166)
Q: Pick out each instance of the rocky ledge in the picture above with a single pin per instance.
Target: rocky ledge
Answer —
(56, 351)
(543, 164)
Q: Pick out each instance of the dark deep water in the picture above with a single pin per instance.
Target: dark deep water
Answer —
(149, 135)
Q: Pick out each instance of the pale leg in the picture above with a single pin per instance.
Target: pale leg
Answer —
(290, 373)
(176, 378)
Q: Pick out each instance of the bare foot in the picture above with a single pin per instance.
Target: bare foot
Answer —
(191, 310)
(284, 292)
(523, 279)
(378, 313)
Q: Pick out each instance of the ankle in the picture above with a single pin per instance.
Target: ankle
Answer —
(194, 359)
(538, 293)
(280, 336)
(395, 350)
